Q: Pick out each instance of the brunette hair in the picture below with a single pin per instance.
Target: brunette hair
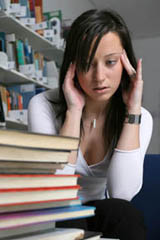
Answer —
(93, 25)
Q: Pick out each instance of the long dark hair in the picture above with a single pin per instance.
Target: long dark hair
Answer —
(89, 26)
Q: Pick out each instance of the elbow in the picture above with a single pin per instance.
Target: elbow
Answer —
(126, 192)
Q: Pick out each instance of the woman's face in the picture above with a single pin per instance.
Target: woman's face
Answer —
(104, 75)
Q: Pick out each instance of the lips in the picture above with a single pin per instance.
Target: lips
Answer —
(99, 88)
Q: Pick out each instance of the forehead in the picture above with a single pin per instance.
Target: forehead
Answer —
(110, 43)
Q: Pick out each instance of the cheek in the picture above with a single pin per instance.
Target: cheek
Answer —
(83, 81)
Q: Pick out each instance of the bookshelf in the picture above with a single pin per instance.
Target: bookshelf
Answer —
(9, 24)
(9, 77)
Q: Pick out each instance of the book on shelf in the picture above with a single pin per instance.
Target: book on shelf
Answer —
(15, 196)
(9, 181)
(2, 114)
(37, 140)
(11, 220)
(40, 205)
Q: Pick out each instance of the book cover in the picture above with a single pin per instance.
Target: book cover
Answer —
(2, 115)
(91, 235)
(9, 181)
(39, 216)
(31, 195)
(20, 156)
(40, 205)
(20, 52)
(26, 231)
(2, 41)
(37, 140)
(52, 234)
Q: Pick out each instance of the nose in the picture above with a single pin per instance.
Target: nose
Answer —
(99, 73)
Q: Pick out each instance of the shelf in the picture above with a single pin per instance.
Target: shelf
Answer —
(10, 24)
(10, 77)
(13, 124)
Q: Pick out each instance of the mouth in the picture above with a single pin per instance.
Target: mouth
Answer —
(100, 89)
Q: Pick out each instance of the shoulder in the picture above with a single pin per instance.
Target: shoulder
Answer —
(46, 96)
(42, 112)
(44, 101)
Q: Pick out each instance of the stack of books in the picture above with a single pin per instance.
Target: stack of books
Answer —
(32, 197)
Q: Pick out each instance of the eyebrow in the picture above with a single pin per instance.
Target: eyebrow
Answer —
(110, 54)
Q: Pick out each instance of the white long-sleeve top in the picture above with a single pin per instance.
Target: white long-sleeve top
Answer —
(121, 177)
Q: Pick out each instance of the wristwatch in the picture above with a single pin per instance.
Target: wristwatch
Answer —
(133, 119)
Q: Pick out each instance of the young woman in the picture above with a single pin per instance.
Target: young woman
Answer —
(99, 100)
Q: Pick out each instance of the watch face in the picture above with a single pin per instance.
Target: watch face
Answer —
(132, 118)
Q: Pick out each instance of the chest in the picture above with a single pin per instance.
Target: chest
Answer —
(93, 147)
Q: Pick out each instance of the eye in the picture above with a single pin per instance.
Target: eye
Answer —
(111, 62)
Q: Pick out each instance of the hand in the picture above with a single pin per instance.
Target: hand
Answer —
(133, 97)
(74, 97)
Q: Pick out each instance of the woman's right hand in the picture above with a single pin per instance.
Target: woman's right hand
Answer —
(74, 97)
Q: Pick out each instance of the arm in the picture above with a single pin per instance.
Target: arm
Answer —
(75, 103)
(42, 116)
(125, 172)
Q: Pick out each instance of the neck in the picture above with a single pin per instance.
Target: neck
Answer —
(94, 110)
(94, 114)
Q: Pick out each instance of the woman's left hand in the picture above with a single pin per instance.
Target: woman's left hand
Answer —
(133, 97)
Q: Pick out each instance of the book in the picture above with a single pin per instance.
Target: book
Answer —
(9, 181)
(2, 114)
(52, 234)
(10, 220)
(37, 140)
(18, 232)
(28, 155)
(13, 167)
(30, 195)
(40, 205)
(90, 235)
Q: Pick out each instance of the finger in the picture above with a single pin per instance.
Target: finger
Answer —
(127, 65)
(139, 69)
(70, 75)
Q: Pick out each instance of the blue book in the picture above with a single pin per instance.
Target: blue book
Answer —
(2, 42)
(45, 215)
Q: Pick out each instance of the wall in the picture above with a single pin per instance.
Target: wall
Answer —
(70, 8)
(149, 50)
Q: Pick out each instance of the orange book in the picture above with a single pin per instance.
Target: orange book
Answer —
(39, 17)
(20, 102)
(8, 100)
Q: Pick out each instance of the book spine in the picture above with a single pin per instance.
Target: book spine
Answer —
(2, 116)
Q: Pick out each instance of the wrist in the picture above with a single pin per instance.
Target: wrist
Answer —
(74, 112)
(134, 110)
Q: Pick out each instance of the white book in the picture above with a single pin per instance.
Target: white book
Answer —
(57, 234)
